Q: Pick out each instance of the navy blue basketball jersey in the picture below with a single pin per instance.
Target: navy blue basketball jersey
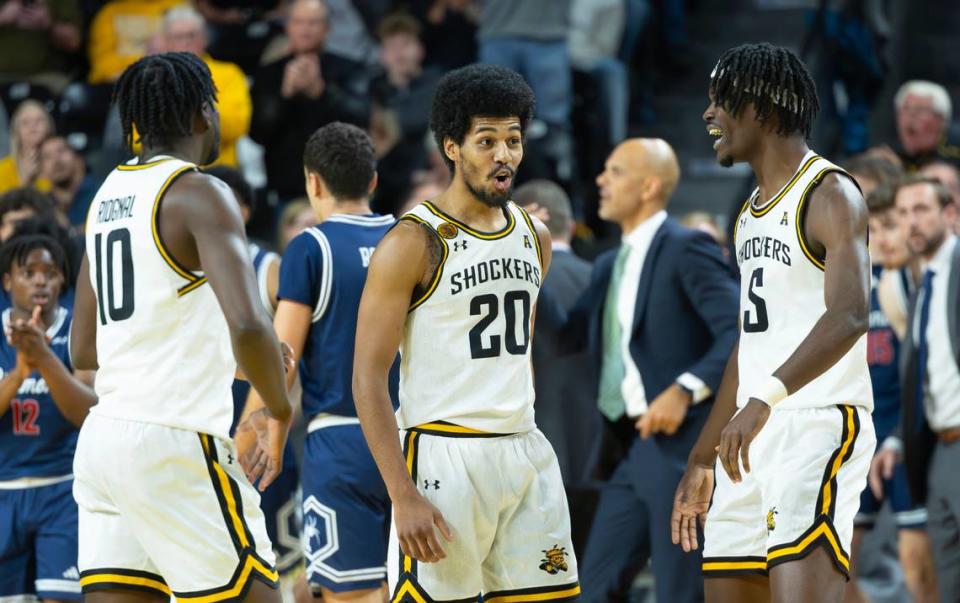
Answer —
(36, 440)
(883, 357)
(261, 259)
(325, 268)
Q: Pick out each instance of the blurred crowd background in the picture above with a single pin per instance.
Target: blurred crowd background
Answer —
(602, 71)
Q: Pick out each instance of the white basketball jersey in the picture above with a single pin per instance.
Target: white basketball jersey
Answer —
(782, 296)
(162, 341)
(465, 354)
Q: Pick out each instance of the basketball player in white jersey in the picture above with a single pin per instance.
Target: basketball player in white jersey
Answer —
(167, 307)
(478, 502)
(791, 421)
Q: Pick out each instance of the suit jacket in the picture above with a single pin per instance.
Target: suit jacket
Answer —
(686, 320)
(918, 440)
(566, 406)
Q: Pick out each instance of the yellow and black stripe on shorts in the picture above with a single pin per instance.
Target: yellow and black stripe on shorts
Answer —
(562, 592)
(822, 532)
(250, 566)
(123, 579)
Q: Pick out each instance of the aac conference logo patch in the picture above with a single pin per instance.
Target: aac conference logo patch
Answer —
(447, 230)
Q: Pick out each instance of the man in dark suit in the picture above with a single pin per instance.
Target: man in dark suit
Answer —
(301, 92)
(566, 385)
(660, 320)
(929, 435)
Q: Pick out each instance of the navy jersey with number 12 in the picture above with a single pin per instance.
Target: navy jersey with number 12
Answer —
(36, 440)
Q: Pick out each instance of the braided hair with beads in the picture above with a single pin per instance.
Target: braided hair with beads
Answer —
(771, 78)
(159, 96)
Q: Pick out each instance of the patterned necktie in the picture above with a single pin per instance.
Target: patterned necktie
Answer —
(922, 351)
(612, 371)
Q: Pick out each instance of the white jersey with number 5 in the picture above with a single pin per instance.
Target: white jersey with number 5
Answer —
(162, 341)
(782, 295)
(465, 354)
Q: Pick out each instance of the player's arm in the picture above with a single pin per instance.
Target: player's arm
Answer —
(836, 226)
(546, 256)
(11, 382)
(692, 498)
(273, 285)
(398, 265)
(292, 323)
(83, 327)
(206, 210)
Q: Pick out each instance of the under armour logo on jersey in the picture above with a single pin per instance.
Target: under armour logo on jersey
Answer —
(229, 459)
(784, 221)
(427, 484)
(458, 245)
(743, 221)
(526, 242)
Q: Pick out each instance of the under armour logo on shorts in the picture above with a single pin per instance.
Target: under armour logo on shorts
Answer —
(427, 484)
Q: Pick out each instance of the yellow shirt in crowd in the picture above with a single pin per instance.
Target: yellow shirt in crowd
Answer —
(9, 178)
(119, 35)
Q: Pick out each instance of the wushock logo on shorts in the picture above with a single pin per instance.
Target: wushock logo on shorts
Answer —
(771, 519)
(554, 560)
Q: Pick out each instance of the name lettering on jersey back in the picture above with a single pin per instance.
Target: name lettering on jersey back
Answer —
(764, 247)
(365, 254)
(494, 270)
(115, 209)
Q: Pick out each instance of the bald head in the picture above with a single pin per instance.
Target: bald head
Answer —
(638, 179)
(307, 26)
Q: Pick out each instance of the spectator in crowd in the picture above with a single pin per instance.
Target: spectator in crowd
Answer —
(421, 191)
(948, 176)
(871, 171)
(890, 258)
(405, 89)
(704, 222)
(241, 29)
(930, 391)
(30, 125)
(37, 39)
(449, 31)
(296, 216)
(566, 385)
(596, 29)
(21, 203)
(531, 38)
(924, 111)
(70, 185)
(301, 92)
(660, 317)
(185, 31)
(352, 28)
(122, 32)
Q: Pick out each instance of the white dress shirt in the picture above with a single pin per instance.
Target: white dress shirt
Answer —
(634, 394)
(942, 394)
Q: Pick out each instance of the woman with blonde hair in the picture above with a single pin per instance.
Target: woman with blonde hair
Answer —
(31, 124)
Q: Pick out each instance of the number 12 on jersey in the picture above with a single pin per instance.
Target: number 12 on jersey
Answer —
(118, 301)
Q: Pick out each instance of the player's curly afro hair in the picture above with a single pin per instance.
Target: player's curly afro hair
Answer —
(19, 247)
(773, 79)
(477, 91)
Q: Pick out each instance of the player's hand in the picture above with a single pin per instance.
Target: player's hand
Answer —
(289, 363)
(415, 519)
(736, 437)
(29, 338)
(666, 413)
(881, 468)
(261, 456)
(690, 504)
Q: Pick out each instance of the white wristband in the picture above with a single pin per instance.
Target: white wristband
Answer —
(771, 391)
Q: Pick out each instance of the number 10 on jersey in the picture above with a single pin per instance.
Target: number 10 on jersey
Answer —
(114, 275)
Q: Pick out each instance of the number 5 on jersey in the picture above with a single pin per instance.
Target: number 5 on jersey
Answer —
(114, 273)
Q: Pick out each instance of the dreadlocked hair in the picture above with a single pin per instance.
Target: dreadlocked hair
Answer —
(18, 248)
(159, 96)
(773, 79)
